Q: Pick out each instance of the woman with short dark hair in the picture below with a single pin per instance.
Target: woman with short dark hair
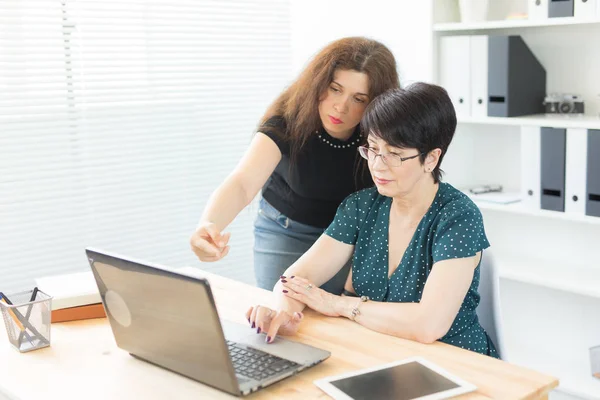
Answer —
(415, 242)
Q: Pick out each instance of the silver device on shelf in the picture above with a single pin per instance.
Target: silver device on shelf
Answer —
(561, 103)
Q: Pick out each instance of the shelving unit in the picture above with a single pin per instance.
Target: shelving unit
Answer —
(549, 120)
(519, 208)
(547, 262)
(578, 279)
(511, 24)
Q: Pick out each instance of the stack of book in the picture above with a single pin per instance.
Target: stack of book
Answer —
(75, 296)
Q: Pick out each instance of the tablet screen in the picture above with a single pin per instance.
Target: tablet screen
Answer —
(399, 381)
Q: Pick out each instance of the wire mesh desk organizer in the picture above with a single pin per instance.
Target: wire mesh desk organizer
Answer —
(27, 317)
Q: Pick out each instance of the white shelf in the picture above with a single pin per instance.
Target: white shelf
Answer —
(511, 24)
(546, 120)
(576, 279)
(518, 208)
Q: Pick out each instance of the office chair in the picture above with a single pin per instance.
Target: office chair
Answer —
(489, 306)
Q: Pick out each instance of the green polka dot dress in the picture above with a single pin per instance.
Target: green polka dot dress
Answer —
(452, 228)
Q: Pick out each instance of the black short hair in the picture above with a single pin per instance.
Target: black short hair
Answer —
(419, 116)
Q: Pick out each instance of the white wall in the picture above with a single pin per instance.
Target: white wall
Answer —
(448, 10)
(402, 25)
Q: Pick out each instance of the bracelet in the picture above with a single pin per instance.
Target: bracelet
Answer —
(355, 311)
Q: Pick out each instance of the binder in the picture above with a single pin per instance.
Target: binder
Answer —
(560, 8)
(575, 172)
(553, 146)
(530, 167)
(516, 79)
(585, 9)
(593, 174)
(455, 72)
(479, 76)
(537, 9)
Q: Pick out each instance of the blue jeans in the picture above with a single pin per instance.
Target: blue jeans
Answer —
(279, 242)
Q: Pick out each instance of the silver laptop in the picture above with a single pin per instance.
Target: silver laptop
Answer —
(169, 319)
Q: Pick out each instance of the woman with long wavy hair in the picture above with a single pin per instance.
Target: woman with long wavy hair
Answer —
(304, 157)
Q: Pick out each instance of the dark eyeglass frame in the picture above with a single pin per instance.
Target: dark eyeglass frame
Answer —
(365, 150)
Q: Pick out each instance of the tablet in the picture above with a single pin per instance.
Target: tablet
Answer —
(409, 379)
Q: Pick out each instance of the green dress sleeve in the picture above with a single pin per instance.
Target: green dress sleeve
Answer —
(460, 233)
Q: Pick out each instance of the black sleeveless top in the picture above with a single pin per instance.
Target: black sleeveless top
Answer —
(325, 172)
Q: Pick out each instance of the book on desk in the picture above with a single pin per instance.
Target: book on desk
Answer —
(75, 296)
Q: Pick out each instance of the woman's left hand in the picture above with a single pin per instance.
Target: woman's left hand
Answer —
(303, 290)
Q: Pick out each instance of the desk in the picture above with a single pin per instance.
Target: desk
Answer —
(84, 361)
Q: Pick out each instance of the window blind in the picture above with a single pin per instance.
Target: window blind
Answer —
(119, 118)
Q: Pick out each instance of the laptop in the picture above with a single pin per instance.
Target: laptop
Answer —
(169, 319)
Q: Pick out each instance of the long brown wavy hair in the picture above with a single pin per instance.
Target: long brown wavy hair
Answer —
(299, 103)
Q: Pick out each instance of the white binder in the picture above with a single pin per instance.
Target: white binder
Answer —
(455, 72)
(537, 9)
(576, 171)
(479, 76)
(585, 9)
(531, 167)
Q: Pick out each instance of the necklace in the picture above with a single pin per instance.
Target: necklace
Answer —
(338, 146)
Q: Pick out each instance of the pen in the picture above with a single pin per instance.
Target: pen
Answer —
(27, 315)
(6, 300)
(34, 294)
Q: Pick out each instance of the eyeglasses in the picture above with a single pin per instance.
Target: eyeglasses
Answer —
(389, 159)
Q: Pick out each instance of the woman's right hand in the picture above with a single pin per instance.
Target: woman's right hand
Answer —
(273, 322)
(208, 243)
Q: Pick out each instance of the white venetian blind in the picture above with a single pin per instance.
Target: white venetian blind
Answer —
(119, 118)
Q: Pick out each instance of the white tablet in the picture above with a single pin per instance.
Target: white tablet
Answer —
(409, 379)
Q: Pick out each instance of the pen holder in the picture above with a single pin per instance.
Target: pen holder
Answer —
(27, 322)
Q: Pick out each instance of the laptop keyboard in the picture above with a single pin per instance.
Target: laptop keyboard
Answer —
(257, 364)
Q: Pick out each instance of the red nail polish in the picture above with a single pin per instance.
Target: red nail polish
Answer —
(284, 281)
(285, 291)
(258, 330)
(253, 325)
(268, 339)
(282, 276)
(292, 277)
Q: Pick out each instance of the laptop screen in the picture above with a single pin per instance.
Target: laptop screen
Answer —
(165, 318)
